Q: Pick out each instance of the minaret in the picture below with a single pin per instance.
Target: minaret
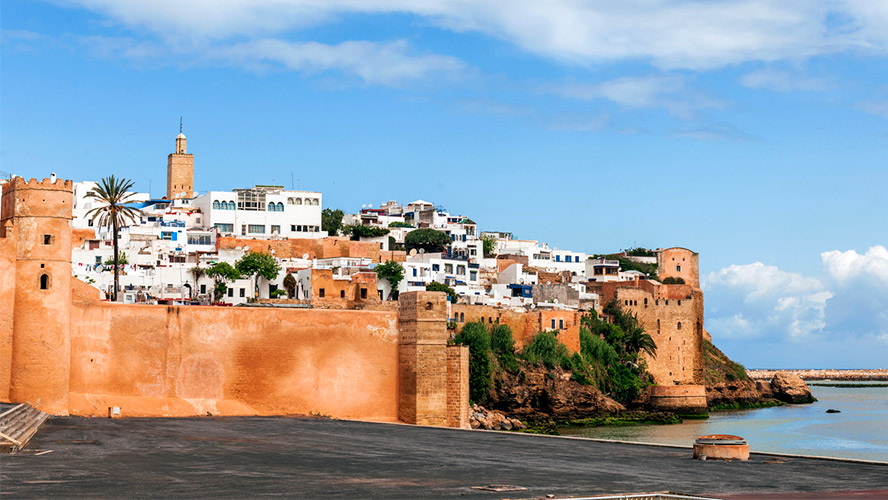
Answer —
(180, 170)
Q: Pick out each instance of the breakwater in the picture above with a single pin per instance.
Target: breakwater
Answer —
(880, 374)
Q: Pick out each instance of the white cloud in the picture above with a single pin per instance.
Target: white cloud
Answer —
(756, 300)
(879, 108)
(660, 91)
(781, 81)
(669, 34)
(379, 63)
(849, 301)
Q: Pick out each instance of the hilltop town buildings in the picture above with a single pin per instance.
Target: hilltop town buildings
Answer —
(524, 283)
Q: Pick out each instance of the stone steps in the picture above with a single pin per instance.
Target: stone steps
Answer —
(18, 425)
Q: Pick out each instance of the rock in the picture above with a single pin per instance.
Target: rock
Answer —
(790, 388)
(764, 387)
(832, 410)
(505, 425)
(516, 424)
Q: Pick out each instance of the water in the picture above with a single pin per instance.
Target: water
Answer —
(859, 431)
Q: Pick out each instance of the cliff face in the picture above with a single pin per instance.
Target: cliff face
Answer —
(535, 393)
(727, 384)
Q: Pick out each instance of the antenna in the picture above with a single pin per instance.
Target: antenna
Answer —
(292, 182)
(180, 124)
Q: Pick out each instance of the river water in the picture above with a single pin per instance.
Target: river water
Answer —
(860, 431)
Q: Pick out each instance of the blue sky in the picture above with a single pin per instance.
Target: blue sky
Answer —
(754, 132)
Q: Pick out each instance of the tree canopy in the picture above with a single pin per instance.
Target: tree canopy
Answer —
(358, 231)
(331, 221)
(441, 287)
(258, 263)
(430, 240)
(392, 272)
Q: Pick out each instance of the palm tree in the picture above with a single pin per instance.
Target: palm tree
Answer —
(113, 194)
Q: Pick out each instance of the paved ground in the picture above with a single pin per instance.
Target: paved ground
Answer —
(311, 458)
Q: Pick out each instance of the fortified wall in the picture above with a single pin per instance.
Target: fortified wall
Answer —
(65, 351)
(314, 248)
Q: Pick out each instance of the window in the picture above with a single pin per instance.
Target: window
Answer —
(256, 228)
(297, 201)
(448, 268)
(553, 324)
(293, 228)
(243, 292)
(363, 293)
(199, 239)
(679, 302)
(462, 317)
(98, 260)
(414, 271)
(557, 258)
(47, 239)
(320, 292)
(560, 323)
(168, 235)
(645, 302)
(275, 229)
(44, 282)
(679, 325)
(473, 275)
(225, 228)
(217, 205)
(341, 294)
(678, 269)
(460, 269)
(436, 267)
(203, 289)
(231, 292)
(251, 199)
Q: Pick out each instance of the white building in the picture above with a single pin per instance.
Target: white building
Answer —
(263, 212)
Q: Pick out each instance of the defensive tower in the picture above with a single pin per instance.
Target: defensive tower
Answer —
(40, 216)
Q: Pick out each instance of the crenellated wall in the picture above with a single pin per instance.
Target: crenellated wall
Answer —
(63, 350)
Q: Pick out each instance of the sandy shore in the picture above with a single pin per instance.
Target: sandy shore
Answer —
(881, 374)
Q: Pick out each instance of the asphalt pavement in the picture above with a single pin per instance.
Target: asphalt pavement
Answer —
(286, 457)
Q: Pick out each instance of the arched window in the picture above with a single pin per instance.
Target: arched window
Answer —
(298, 201)
(679, 325)
(272, 207)
(280, 207)
(224, 205)
(678, 269)
(217, 205)
(291, 201)
(231, 205)
(44, 281)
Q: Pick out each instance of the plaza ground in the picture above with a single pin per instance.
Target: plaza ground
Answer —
(322, 458)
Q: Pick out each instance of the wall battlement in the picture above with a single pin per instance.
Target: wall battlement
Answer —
(65, 352)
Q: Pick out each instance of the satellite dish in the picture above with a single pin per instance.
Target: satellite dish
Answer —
(370, 205)
(421, 250)
(364, 205)
(412, 252)
(246, 248)
(305, 256)
(238, 248)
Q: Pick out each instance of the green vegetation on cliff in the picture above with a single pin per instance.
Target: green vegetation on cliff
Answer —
(718, 368)
(609, 357)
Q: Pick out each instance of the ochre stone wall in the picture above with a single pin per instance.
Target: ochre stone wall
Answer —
(179, 361)
(41, 215)
(423, 358)
(681, 263)
(343, 293)
(314, 248)
(7, 303)
(180, 175)
(524, 325)
(458, 386)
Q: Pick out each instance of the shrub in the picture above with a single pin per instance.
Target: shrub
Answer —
(545, 349)
(441, 287)
(474, 335)
(673, 281)
(503, 346)
(278, 293)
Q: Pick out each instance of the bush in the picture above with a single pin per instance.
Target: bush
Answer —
(359, 231)
(545, 349)
(441, 287)
(430, 240)
(503, 346)
(278, 293)
(398, 223)
(673, 281)
(474, 335)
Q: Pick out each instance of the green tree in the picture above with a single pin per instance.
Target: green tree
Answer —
(545, 349)
(113, 194)
(392, 272)
(358, 231)
(222, 273)
(398, 223)
(474, 334)
(331, 221)
(120, 262)
(502, 344)
(255, 264)
(290, 285)
(489, 243)
(441, 287)
(430, 240)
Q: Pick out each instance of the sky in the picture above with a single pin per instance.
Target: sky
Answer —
(754, 132)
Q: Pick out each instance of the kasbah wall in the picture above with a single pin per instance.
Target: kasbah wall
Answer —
(65, 351)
